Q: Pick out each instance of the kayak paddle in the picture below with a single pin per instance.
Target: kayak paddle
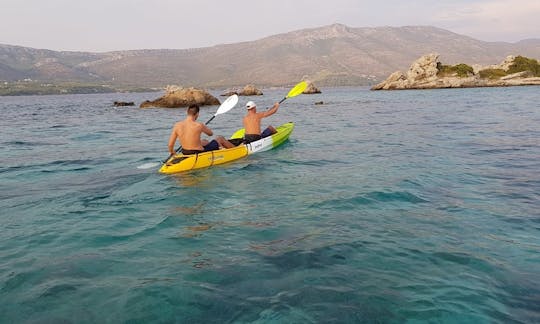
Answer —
(227, 105)
(298, 89)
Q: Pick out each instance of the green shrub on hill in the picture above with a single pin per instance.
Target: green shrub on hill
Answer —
(23, 88)
(522, 63)
(461, 70)
(492, 74)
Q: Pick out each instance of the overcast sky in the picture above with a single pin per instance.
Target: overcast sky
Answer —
(106, 25)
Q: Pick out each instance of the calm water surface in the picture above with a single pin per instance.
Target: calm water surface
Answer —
(385, 207)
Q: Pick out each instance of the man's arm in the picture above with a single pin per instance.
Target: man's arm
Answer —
(207, 130)
(172, 140)
(271, 111)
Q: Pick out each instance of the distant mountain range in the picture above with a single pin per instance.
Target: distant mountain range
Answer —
(330, 55)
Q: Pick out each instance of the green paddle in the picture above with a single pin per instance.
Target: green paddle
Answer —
(298, 89)
(227, 105)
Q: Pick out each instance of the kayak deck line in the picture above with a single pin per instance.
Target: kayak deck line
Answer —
(183, 163)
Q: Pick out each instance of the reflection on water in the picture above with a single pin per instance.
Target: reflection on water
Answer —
(191, 179)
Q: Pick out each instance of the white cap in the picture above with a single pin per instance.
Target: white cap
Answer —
(250, 104)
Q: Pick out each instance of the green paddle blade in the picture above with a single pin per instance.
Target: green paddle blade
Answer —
(298, 89)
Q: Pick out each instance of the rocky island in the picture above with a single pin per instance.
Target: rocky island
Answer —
(429, 73)
(176, 96)
(311, 88)
(248, 90)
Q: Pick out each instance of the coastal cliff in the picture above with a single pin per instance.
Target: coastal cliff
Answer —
(429, 73)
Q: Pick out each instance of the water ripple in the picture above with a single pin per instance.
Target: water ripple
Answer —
(421, 208)
(369, 198)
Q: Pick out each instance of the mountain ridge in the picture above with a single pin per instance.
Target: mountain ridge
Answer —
(329, 55)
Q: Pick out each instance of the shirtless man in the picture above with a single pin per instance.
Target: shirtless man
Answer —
(252, 122)
(189, 132)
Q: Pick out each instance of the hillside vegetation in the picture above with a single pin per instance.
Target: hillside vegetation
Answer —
(22, 88)
(522, 64)
(461, 70)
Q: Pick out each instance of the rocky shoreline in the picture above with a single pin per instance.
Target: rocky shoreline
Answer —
(429, 73)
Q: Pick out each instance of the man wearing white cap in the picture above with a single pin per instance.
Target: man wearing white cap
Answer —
(252, 122)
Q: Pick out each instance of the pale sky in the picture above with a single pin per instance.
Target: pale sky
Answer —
(107, 25)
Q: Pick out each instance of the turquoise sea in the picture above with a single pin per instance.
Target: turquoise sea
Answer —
(384, 207)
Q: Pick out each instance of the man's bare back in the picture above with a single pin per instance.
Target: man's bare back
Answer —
(189, 133)
(252, 123)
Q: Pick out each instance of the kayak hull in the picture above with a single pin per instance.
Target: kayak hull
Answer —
(267, 143)
(182, 163)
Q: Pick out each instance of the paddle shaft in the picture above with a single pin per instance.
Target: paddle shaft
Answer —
(209, 120)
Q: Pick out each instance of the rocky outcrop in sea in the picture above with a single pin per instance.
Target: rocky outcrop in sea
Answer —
(176, 97)
(250, 90)
(311, 88)
(429, 73)
(123, 103)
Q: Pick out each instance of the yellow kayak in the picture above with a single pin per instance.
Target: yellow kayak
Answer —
(183, 163)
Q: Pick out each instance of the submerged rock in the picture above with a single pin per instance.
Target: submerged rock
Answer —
(176, 97)
(123, 103)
